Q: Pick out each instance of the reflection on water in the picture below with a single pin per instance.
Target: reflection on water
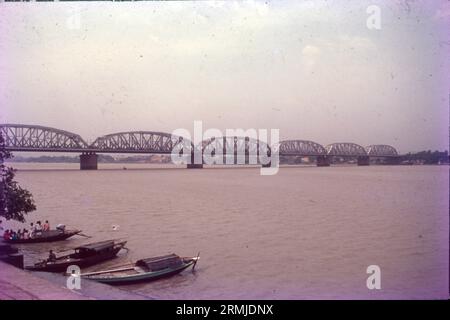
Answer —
(306, 232)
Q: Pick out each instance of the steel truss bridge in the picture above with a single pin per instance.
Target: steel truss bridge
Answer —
(20, 137)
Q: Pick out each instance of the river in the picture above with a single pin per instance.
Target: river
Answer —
(304, 233)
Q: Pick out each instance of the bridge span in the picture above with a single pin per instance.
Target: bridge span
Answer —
(35, 138)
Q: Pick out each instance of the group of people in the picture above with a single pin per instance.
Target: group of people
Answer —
(35, 230)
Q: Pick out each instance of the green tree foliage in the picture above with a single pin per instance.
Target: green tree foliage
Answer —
(15, 202)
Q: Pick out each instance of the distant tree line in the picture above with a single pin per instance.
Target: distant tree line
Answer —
(427, 157)
(423, 157)
(102, 158)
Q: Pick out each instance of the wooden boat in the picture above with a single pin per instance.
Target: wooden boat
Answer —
(47, 236)
(11, 255)
(83, 256)
(144, 270)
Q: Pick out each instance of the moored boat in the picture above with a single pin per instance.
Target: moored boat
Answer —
(144, 270)
(83, 256)
(11, 255)
(46, 236)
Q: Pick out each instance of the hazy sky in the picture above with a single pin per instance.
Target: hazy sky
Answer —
(311, 69)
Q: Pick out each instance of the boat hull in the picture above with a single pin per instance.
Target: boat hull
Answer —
(81, 263)
(141, 277)
(49, 236)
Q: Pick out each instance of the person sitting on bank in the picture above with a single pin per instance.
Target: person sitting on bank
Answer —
(51, 256)
(46, 226)
(25, 234)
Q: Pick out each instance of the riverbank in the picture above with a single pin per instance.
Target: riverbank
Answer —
(17, 284)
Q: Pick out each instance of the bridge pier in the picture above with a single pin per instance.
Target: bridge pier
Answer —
(363, 161)
(194, 165)
(88, 161)
(323, 161)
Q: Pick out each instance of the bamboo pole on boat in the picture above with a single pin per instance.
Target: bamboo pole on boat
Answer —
(106, 271)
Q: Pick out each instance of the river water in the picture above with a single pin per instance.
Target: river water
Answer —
(305, 233)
